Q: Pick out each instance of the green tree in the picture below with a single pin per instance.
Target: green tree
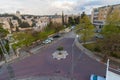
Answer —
(33, 24)
(17, 29)
(83, 14)
(71, 21)
(85, 29)
(111, 31)
(56, 27)
(24, 25)
(11, 25)
(3, 32)
(16, 18)
(63, 22)
(77, 20)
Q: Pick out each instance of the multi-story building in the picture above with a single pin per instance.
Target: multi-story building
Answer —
(41, 23)
(5, 23)
(99, 15)
(61, 19)
(57, 19)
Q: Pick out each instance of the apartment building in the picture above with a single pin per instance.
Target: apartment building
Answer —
(5, 23)
(61, 19)
(99, 15)
(57, 19)
(41, 23)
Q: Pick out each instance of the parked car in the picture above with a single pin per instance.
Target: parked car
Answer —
(96, 77)
(99, 36)
(56, 36)
(50, 38)
(72, 27)
(47, 41)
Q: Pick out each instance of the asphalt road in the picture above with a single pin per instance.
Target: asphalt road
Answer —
(43, 64)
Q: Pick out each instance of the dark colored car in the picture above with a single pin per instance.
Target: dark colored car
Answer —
(56, 36)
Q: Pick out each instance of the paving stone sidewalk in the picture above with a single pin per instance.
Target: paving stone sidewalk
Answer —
(46, 78)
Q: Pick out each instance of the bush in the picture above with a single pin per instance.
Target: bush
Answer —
(7, 46)
(115, 55)
(24, 25)
(97, 49)
(60, 48)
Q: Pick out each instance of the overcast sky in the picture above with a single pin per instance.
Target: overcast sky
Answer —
(46, 7)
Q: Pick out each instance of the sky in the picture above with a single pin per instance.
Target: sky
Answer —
(48, 7)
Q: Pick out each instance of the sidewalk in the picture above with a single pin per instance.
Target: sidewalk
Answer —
(46, 78)
(21, 54)
(86, 51)
(93, 56)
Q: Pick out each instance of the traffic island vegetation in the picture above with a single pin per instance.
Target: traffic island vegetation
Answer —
(60, 48)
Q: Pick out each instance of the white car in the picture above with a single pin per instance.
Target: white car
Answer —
(96, 77)
(50, 38)
(47, 41)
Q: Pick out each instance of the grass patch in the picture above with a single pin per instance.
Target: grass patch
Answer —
(27, 38)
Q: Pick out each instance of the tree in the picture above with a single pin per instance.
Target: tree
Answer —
(85, 29)
(23, 17)
(77, 20)
(54, 26)
(82, 15)
(24, 25)
(11, 25)
(111, 31)
(63, 22)
(3, 32)
(16, 18)
(71, 21)
(33, 24)
(6, 46)
(17, 29)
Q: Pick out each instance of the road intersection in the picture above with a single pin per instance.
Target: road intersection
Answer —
(43, 64)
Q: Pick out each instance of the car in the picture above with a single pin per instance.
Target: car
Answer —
(72, 27)
(47, 41)
(56, 36)
(50, 38)
(99, 36)
(96, 77)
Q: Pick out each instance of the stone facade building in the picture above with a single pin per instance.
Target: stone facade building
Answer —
(99, 15)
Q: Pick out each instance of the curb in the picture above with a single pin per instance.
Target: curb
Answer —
(91, 55)
(46, 78)
(86, 51)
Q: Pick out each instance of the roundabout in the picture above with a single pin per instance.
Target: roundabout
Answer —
(60, 55)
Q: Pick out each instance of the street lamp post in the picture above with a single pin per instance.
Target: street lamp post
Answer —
(72, 66)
